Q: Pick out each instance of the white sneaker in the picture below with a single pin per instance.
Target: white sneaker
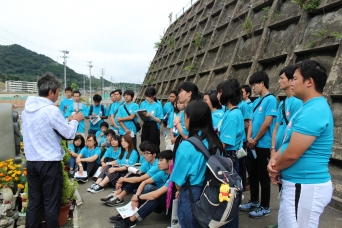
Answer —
(91, 187)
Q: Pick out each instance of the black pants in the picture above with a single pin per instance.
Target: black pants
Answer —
(90, 167)
(243, 167)
(150, 133)
(45, 181)
(259, 174)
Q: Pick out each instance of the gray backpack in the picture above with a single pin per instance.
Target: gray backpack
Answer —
(209, 211)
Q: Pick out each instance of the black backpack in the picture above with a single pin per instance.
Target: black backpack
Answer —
(92, 108)
(209, 211)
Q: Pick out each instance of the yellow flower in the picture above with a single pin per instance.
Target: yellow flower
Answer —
(16, 178)
(21, 186)
(18, 172)
(5, 168)
(9, 172)
(3, 179)
(13, 175)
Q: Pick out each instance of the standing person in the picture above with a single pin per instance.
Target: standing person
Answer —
(168, 106)
(114, 110)
(66, 101)
(113, 99)
(189, 163)
(259, 138)
(43, 127)
(210, 97)
(96, 109)
(126, 116)
(150, 129)
(246, 94)
(305, 153)
(75, 107)
(174, 119)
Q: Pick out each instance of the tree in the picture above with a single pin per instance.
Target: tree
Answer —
(74, 86)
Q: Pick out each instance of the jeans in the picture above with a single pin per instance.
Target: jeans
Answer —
(149, 188)
(149, 206)
(185, 216)
(72, 162)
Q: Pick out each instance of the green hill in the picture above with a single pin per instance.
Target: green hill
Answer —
(19, 63)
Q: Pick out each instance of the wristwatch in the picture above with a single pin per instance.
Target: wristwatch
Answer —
(272, 148)
(138, 196)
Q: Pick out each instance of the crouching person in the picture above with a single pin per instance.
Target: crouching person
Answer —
(149, 202)
(89, 158)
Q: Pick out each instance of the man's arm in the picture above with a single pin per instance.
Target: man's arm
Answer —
(274, 136)
(154, 194)
(127, 118)
(299, 143)
(266, 124)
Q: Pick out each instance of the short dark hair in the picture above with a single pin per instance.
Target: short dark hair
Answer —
(104, 124)
(166, 154)
(97, 98)
(258, 77)
(189, 87)
(175, 109)
(315, 70)
(129, 92)
(142, 145)
(68, 88)
(247, 88)
(117, 90)
(230, 90)
(46, 83)
(117, 138)
(110, 131)
(213, 98)
(289, 71)
(76, 91)
(94, 138)
(151, 92)
(175, 92)
(154, 149)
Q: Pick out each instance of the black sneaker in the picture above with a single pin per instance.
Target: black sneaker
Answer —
(107, 197)
(83, 180)
(71, 173)
(126, 223)
(116, 218)
(115, 202)
(97, 188)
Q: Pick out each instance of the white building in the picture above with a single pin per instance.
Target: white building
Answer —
(21, 86)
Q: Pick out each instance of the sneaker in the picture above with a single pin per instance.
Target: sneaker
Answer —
(249, 206)
(83, 180)
(71, 173)
(125, 223)
(260, 212)
(91, 187)
(107, 197)
(97, 188)
(116, 202)
(116, 218)
(111, 200)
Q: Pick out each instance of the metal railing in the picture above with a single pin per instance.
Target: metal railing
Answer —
(185, 8)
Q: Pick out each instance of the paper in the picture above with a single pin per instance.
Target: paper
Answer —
(241, 153)
(134, 170)
(94, 119)
(78, 175)
(97, 173)
(126, 211)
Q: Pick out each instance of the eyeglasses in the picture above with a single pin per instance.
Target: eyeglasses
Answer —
(90, 140)
(146, 153)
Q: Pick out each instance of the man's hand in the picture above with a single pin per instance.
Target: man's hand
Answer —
(274, 174)
(118, 185)
(135, 204)
(173, 140)
(78, 116)
(127, 131)
(251, 142)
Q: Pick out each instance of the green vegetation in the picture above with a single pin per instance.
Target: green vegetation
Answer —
(322, 34)
(266, 12)
(151, 67)
(307, 5)
(74, 86)
(248, 26)
(150, 79)
(20, 64)
(337, 35)
(172, 42)
(191, 66)
(199, 40)
(159, 43)
(276, 16)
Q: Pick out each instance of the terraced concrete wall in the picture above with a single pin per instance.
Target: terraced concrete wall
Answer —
(280, 34)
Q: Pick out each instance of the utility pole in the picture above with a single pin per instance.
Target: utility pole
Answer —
(90, 66)
(102, 90)
(65, 52)
(84, 91)
(170, 17)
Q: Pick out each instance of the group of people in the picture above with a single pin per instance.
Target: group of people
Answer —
(288, 144)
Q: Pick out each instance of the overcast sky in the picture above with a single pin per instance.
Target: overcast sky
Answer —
(118, 36)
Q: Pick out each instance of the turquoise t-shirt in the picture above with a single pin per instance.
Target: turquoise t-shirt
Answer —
(171, 123)
(189, 164)
(243, 106)
(160, 178)
(73, 149)
(232, 129)
(111, 153)
(132, 108)
(292, 105)
(168, 108)
(90, 153)
(250, 108)
(155, 109)
(65, 103)
(130, 161)
(100, 138)
(142, 159)
(268, 107)
(115, 106)
(143, 103)
(83, 109)
(185, 132)
(313, 119)
(98, 111)
(216, 115)
(150, 169)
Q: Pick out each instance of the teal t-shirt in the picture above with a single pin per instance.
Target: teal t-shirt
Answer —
(155, 109)
(171, 123)
(83, 110)
(143, 103)
(268, 107)
(292, 105)
(185, 132)
(65, 103)
(87, 153)
(132, 108)
(250, 108)
(313, 119)
(168, 108)
(133, 158)
(216, 116)
(243, 106)
(73, 149)
(111, 153)
(232, 129)
(190, 164)
(160, 178)
(150, 169)
(98, 111)
(115, 106)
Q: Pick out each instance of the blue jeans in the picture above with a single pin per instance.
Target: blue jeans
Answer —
(149, 188)
(185, 216)
(72, 162)
(147, 207)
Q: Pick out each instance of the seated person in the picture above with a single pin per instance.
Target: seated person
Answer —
(101, 134)
(149, 201)
(127, 184)
(104, 144)
(128, 157)
(89, 158)
(74, 149)
(112, 153)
